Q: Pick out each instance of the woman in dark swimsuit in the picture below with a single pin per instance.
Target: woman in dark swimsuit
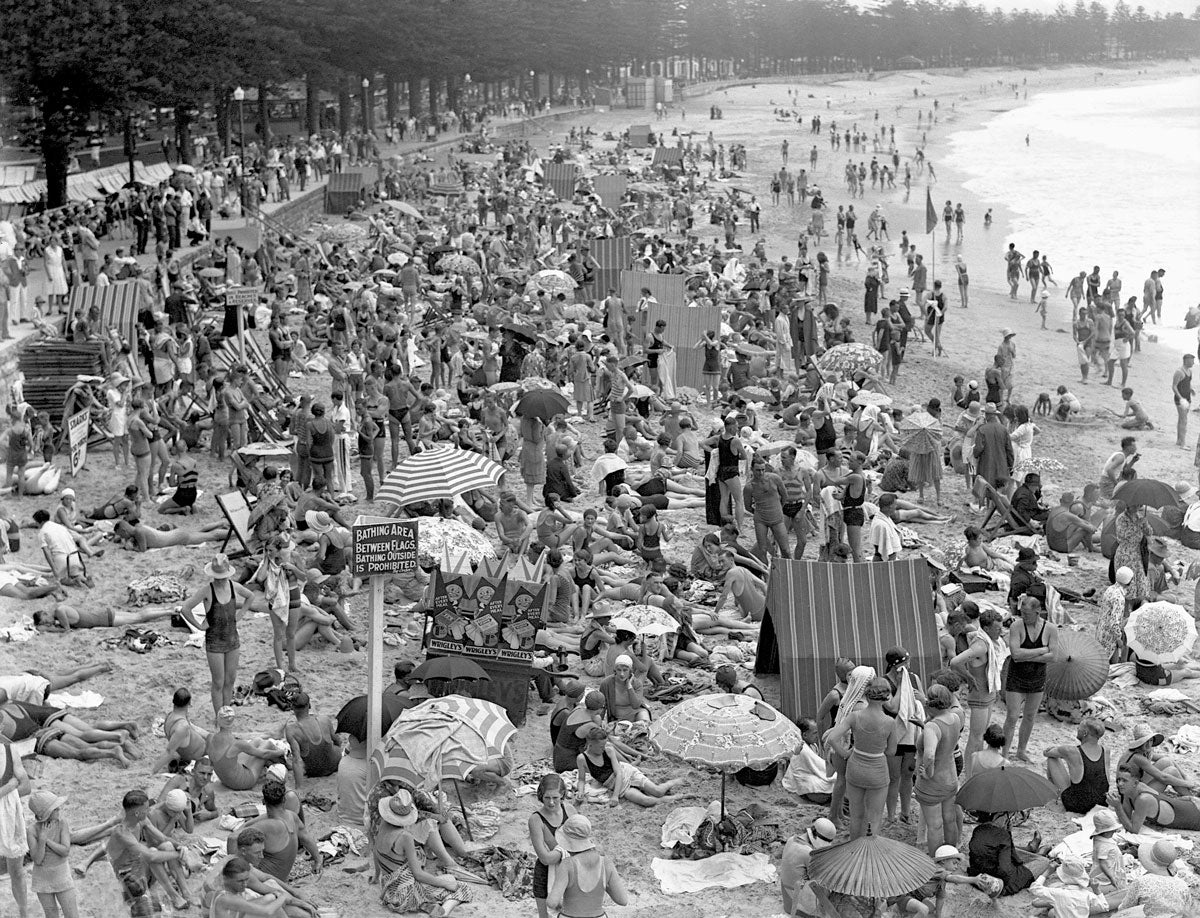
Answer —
(1031, 642)
(854, 493)
(219, 599)
(545, 821)
(186, 478)
(1137, 804)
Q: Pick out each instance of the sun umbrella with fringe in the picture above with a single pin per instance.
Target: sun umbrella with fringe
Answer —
(437, 536)
(1160, 632)
(458, 264)
(726, 733)
(644, 619)
(849, 358)
(442, 473)
(1007, 789)
(920, 432)
(552, 281)
(1042, 465)
(1079, 668)
(405, 208)
(870, 866)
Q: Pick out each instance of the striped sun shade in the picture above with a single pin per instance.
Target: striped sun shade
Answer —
(824, 611)
(442, 473)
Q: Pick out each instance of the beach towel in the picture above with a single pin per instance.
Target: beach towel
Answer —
(679, 828)
(725, 870)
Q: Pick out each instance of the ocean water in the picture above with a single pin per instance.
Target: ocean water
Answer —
(1111, 177)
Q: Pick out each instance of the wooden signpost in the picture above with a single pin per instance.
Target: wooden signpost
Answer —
(382, 547)
(241, 297)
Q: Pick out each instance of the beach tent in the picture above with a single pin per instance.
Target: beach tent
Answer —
(344, 191)
(671, 157)
(639, 135)
(560, 178)
(119, 305)
(819, 612)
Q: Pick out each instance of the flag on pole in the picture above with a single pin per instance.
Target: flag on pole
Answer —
(931, 217)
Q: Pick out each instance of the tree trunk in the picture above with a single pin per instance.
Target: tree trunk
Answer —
(345, 114)
(368, 104)
(453, 95)
(264, 116)
(56, 152)
(183, 132)
(222, 107)
(312, 106)
(393, 98)
(414, 97)
(435, 86)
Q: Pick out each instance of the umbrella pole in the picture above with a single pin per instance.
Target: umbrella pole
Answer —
(466, 821)
(722, 796)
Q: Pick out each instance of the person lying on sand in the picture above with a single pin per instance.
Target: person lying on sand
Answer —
(138, 536)
(19, 581)
(61, 735)
(237, 762)
(65, 617)
(36, 686)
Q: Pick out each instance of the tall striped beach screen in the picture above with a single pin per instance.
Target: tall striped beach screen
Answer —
(822, 611)
(560, 177)
(119, 304)
(613, 255)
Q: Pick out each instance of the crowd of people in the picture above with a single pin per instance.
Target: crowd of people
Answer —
(409, 328)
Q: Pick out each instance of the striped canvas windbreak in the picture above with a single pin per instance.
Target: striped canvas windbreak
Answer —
(560, 177)
(118, 302)
(442, 473)
(824, 611)
(685, 326)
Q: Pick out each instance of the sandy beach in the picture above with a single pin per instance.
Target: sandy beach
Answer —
(139, 687)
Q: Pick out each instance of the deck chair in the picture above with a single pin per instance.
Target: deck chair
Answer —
(998, 505)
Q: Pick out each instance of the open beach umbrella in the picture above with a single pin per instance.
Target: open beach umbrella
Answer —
(352, 718)
(437, 537)
(870, 866)
(441, 739)
(343, 232)
(1079, 668)
(437, 474)
(848, 358)
(526, 332)
(757, 393)
(449, 668)
(1007, 789)
(752, 350)
(544, 404)
(634, 360)
(1146, 492)
(1160, 632)
(644, 619)
(266, 449)
(552, 281)
(532, 383)
(210, 273)
(726, 733)
(503, 388)
(405, 208)
(920, 431)
(458, 264)
(1043, 465)
(869, 397)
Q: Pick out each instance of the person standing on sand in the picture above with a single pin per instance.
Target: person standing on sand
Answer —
(1012, 260)
(1149, 289)
(1181, 391)
(960, 267)
(1033, 274)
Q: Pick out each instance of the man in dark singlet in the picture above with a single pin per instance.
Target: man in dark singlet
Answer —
(315, 750)
(135, 848)
(656, 344)
(284, 832)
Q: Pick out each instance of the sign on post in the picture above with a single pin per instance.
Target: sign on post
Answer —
(77, 437)
(382, 547)
(241, 297)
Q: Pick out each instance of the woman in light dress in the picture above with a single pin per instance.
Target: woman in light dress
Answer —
(1022, 435)
(56, 273)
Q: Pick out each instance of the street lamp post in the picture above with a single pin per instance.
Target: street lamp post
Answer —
(366, 84)
(239, 96)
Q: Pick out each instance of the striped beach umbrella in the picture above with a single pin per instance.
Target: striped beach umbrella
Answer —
(442, 473)
(440, 739)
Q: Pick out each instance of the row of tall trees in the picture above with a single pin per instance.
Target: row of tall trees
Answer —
(74, 59)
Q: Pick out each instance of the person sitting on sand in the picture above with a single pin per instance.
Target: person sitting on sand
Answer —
(406, 839)
(237, 762)
(66, 617)
(136, 851)
(172, 816)
(125, 507)
(251, 846)
(1080, 772)
(315, 749)
(1156, 771)
(61, 551)
(67, 514)
(137, 536)
(233, 902)
(284, 833)
(623, 694)
(1065, 531)
(186, 742)
(978, 555)
(601, 761)
(992, 753)
(199, 789)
